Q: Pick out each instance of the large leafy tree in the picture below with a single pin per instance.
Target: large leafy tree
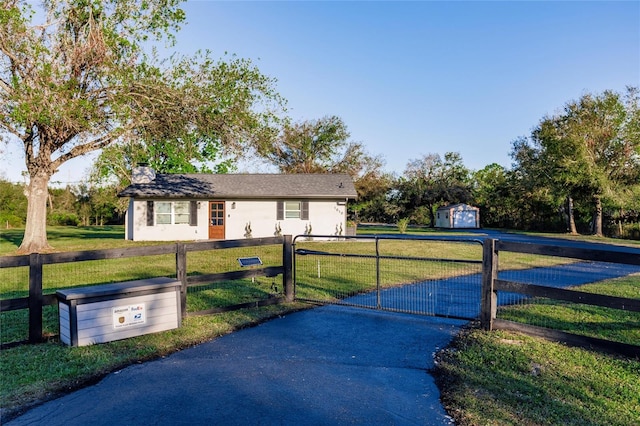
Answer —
(315, 146)
(323, 146)
(531, 187)
(74, 78)
(491, 193)
(590, 151)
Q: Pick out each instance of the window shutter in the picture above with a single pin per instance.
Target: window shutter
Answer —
(193, 213)
(304, 214)
(280, 210)
(149, 213)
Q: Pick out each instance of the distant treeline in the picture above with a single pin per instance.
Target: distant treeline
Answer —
(78, 205)
(504, 199)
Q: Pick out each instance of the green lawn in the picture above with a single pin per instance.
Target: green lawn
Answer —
(507, 378)
(71, 238)
(587, 320)
(503, 378)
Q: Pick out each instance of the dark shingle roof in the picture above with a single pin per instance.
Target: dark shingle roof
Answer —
(244, 186)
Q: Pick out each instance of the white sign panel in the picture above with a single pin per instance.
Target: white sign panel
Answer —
(127, 316)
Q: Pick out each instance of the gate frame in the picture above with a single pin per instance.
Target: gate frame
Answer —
(377, 256)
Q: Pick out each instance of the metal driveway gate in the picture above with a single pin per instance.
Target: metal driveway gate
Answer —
(414, 274)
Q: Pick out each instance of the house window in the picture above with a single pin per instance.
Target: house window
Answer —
(292, 210)
(172, 212)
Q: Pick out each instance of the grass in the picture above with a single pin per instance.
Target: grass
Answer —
(587, 320)
(485, 378)
(72, 238)
(508, 378)
(504, 378)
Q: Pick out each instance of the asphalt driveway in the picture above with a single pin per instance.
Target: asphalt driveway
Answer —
(325, 366)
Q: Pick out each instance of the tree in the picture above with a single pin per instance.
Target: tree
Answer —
(13, 206)
(323, 146)
(531, 188)
(313, 146)
(74, 78)
(591, 151)
(373, 186)
(430, 181)
(491, 194)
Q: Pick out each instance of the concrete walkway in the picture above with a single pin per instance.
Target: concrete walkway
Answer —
(325, 366)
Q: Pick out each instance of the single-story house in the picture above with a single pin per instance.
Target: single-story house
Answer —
(170, 207)
(458, 216)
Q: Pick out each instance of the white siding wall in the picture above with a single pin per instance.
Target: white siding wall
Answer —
(128, 224)
(184, 232)
(326, 217)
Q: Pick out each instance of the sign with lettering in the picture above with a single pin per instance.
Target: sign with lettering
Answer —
(127, 316)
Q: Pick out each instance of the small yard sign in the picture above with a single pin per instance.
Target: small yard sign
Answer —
(249, 261)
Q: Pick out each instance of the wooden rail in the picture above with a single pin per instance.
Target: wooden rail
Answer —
(491, 285)
(36, 300)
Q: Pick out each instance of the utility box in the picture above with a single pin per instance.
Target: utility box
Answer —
(104, 313)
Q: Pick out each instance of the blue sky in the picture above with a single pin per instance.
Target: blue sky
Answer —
(412, 78)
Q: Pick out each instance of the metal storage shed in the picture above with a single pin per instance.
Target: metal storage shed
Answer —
(458, 216)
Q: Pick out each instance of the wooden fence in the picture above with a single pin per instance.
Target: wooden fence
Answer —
(36, 299)
(491, 285)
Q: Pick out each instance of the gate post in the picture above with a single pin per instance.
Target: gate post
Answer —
(287, 266)
(35, 298)
(181, 275)
(488, 303)
(378, 301)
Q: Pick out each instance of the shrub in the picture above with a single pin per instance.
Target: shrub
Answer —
(8, 220)
(402, 225)
(63, 219)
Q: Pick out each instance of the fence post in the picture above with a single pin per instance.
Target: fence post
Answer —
(378, 304)
(35, 298)
(287, 265)
(488, 303)
(181, 275)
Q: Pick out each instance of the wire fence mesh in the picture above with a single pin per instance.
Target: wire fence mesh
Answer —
(421, 276)
(14, 283)
(104, 271)
(427, 276)
(226, 293)
(600, 278)
(72, 270)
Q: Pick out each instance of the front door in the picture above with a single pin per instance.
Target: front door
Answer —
(216, 220)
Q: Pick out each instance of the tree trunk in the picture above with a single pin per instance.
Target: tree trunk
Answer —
(432, 216)
(597, 219)
(571, 217)
(35, 232)
(620, 223)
